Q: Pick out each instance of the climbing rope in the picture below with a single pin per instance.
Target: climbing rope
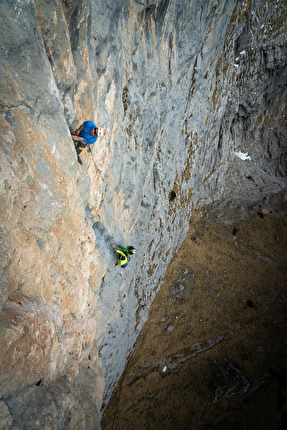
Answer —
(127, 351)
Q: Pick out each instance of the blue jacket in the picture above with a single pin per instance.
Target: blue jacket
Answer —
(85, 133)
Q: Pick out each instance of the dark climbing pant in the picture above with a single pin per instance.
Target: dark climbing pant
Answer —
(79, 147)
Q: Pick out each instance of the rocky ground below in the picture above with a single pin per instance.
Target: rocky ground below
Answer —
(213, 352)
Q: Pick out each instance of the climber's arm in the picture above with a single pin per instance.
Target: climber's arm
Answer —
(78, 131)
(75, 137)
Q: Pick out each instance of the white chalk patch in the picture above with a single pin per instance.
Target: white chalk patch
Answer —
(164, 369)
(54, 149)
(53, 87)
(242, 155)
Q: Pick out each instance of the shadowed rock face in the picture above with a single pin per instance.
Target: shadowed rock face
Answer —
(193, 99)
(212, 354)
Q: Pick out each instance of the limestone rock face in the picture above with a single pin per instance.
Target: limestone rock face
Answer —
(192, 95)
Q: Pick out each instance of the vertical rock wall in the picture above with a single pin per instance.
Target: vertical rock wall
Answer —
(49, 350)
(193, 99)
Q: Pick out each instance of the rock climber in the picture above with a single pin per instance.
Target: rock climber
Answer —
(86, 135)
(123, 255)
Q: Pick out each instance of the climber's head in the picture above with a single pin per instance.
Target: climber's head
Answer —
(101, 132)
(132, 250)
(98, 131)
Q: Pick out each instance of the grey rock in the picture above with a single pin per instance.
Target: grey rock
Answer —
(5, 417)
(60, 405)
(181, 88)
(170, 328)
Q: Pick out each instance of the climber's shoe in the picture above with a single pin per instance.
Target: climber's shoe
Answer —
(79, 160)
